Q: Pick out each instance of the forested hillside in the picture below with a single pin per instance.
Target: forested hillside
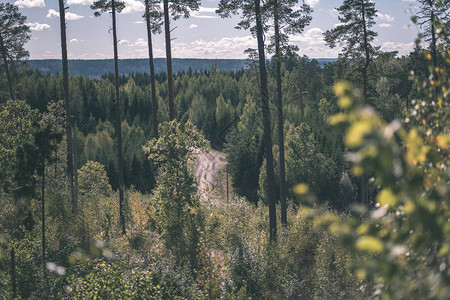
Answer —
(290, 178)
(98, 67)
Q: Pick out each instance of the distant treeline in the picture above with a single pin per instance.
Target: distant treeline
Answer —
(98, 67)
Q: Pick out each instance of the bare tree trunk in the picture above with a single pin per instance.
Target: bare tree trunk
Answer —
(280, 118)
(152, 70)
(364, 179)
(118, 121)
(75, 161)
(267, 129)
(169, 61)
(13, 273)
(43, 214)
(8, 74)
(65, 73)
(433, 33)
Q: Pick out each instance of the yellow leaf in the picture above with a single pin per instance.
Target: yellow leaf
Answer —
(369, 244)
(345, 102)
(337, 118)
(340, 88)
(357, 132)
(386, 197)
(301, 189)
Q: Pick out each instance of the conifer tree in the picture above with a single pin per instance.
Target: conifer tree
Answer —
(354, 34)
(13, 35)
(293, 21)
(68, 123)
(432, 13)
(113, 6)
(153, 22)
(178, 9)
(251, 12)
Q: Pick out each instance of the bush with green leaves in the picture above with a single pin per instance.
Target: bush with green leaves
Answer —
(407, 235)
(175, 196)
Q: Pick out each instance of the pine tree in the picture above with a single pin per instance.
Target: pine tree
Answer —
(112, 6)
(153, 22)
(65, 73)
(433, 13)
(251, 12)
(354, 34)
(13, 36)
(177, 8)
(293, 21)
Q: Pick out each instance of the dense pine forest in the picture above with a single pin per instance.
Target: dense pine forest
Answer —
(286, 179)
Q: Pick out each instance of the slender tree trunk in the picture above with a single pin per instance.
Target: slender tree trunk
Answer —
(433, 34)
(8, 74)
(152, 70)
(13, 273)
(267, 129)
(280, 118)
(43, 214)
(65, 73)
(364, 78)
(118, 121)
(75, 161)
(169, 61)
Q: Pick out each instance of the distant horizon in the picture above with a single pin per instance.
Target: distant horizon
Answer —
(197, 58)
(204, 35)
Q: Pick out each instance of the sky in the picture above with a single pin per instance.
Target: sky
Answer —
(203, 35)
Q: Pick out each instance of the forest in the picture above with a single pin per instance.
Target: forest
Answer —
(286, 179)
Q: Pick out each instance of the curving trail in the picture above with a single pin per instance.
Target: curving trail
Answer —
(206, 170)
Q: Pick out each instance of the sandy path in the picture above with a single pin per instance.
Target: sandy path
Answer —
(206, 169)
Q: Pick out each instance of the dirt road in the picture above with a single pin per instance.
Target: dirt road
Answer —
(206, 169)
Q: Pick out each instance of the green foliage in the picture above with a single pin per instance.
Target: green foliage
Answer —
(93, 181)
(175, 195)
(408, 232)
(111, 280)
(17, 126)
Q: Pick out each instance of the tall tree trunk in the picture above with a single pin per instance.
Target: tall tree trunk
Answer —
(433, 33)
(280, 118)
(43, 214)
(152, 70)
(75, 161)
(169, 61)
(8, 74)
(13, 273)
(364, 77)
(118, 121)
(267, 129)
(65, 73)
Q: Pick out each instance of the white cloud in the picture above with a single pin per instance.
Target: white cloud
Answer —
(385, 17)
(402, 48)
(69, 16)
(73, 41)
(204, 13)
(123, 42)
(226, 47)
(139, 22)
(409, 1)
(81, 2)
(30, 3)
(38, 26)
(132, 6)
(312, 2)
(52, 14)
(192, 26)
(333, 12)
(385, 25)
(140, 42)
(313, 36)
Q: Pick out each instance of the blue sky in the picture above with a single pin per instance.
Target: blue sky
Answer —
(203, 35)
